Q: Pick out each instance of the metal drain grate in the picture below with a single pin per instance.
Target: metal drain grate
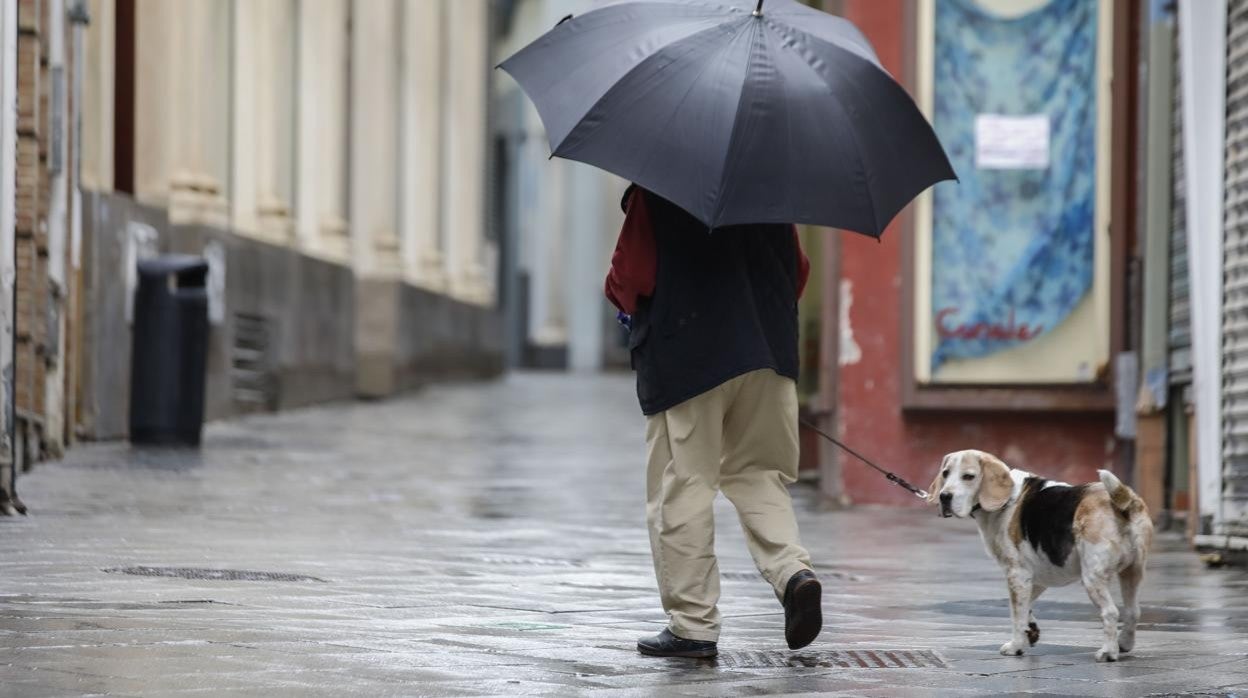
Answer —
(214, 575)
(844, 659)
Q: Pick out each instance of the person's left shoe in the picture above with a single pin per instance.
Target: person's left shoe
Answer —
(666, 644)
(803, 609)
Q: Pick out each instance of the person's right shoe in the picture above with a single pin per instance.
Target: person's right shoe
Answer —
(803, 609)
(665, 644)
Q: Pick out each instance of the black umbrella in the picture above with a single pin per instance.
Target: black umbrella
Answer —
(736, 111)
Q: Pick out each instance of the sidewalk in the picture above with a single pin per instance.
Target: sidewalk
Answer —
(490, 541)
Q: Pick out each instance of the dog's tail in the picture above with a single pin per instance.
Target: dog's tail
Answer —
(1123, 498)
(1125, 501)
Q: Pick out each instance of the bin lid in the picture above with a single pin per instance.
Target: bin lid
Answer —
(167, 264)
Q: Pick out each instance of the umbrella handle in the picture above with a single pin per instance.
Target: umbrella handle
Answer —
(758, 11)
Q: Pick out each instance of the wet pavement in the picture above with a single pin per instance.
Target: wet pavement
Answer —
(490, 541)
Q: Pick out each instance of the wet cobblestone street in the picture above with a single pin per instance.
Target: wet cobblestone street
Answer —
(490, 540)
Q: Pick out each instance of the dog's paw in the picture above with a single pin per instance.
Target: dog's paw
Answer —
(1033, 633)
(1010, 649)
(1107, 655)
(11, 506)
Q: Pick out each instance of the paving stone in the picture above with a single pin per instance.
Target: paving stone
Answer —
(490, 541)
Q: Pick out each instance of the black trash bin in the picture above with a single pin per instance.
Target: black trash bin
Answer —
(169, 353)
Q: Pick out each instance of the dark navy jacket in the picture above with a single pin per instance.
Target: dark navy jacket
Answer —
(724, 303)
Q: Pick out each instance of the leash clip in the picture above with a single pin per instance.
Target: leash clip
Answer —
(891, 476)
(906, 485)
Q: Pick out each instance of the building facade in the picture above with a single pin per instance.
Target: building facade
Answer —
(379, 210)
(992, 313)
(1204, 467)
(40, 57)
(1141, 367)
(330, 159)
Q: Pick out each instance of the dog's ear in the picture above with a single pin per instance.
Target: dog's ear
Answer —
(995, 485)
(933, 490)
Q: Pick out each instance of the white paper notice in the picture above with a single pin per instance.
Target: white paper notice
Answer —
(1011, 142)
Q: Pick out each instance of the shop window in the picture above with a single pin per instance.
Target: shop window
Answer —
(1011, 265)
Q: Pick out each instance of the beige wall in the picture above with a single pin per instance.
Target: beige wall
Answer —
(320, 199)
(97, 97)
(349, 129)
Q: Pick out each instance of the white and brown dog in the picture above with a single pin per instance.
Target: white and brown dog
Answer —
(1047, 534)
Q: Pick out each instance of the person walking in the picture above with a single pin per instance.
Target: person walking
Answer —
(740, 118)
(713, 332)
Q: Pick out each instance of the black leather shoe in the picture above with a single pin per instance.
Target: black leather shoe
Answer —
(665, 644)
(803, 610)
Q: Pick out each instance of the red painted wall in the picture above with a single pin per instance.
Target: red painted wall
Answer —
(1065, 447)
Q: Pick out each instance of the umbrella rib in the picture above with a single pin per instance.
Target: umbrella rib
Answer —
(556, 147)
(693, 20)
(875, 219)
(733, 34)
(688, 92)
(807, 17)
(733, 139)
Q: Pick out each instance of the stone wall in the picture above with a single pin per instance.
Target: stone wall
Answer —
(292, 329)
(104, 387)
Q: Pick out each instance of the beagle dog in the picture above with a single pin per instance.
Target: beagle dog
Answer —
(1047, 534)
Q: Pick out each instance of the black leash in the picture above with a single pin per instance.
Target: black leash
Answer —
(890, 475)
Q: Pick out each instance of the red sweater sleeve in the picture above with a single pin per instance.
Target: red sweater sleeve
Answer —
(635, 261)
(634, 264)
(803, 264)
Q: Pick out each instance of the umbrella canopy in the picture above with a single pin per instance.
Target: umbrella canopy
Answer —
(735, 110)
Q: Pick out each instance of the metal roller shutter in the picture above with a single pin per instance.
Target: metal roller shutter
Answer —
(1235, 279)
(1180, 334)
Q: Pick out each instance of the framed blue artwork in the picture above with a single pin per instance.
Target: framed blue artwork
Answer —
(1011, 263)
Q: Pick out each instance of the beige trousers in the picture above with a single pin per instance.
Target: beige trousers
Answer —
(741, 438)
